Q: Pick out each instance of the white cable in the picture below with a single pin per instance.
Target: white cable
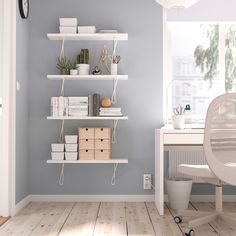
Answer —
(152, 186)
(61, 179)
(113, 138)
(113, 179)
(114, 97)
(62, 132)
(115, 42)
(62, 54)
(62, 87)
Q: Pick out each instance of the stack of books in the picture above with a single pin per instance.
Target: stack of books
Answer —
(78, 106)
(111, 111)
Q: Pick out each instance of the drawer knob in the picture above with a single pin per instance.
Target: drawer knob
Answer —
(86, 140)
(101, 150)
(86, 150)
(101, 140)
(101, 129)
(86, 129)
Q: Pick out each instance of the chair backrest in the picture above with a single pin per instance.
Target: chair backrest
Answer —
(220, 137)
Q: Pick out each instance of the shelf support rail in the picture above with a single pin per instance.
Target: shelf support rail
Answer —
(113, 137)
(113, 179)
(61, 178)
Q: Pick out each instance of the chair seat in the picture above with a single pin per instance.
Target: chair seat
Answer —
(196, 170)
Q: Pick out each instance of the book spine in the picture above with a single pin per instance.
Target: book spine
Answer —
(54, 106)
(96, 104)
(61, 106)
(90, 108)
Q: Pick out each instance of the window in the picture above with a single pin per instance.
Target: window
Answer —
(201, 64)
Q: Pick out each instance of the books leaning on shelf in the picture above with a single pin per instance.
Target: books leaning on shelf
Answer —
(111, 111)
(69, 106)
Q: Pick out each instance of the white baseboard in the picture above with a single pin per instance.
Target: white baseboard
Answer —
(92, 198)
(20, 205)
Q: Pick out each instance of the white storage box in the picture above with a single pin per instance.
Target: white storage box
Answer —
(71, 139)
(86, 29)
(71, 147)
(68, 29)
(68, 21)
(57, 147)
(57, 156)
(71, 156)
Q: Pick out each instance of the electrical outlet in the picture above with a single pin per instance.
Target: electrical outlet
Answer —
(147, 181)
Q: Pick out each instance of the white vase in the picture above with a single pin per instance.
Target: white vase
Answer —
(178, 121)
(73, 72)
(114, 68)
(83, 69)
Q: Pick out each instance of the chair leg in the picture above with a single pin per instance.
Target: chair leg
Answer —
(202, 220)
(192, 213)
(228, 218)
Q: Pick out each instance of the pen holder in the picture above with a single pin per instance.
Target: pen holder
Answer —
(178, 121)
(114, 69)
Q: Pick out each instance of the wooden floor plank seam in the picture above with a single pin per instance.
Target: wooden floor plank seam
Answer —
(150, 218)
(94, 226)
(66, 218)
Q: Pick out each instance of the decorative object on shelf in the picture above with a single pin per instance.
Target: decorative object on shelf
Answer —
(176, 4)
(106, 102)
(86, 29)
(24, 8)
(108, 31)
(64, 65)
(96, 71)
(73, 72)
(110, 111)
(83, 62)
(114, 64)
(96, 104)
(104, 58)
(68, 25)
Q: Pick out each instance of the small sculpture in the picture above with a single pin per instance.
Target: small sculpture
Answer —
(96, 71)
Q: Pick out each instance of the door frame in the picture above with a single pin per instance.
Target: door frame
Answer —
(7, 161)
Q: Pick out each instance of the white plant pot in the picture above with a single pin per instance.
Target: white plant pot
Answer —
(178, 121)
(83, 69)
(114, 69)
(57, 147)
(73, 139)
(179, 191)
(73, 72)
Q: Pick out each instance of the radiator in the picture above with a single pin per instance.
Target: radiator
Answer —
(177, 157)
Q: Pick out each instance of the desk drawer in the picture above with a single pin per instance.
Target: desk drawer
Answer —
(183, 139)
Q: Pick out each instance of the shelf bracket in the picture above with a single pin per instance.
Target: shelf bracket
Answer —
(113, 179)
(61, 178)
(113, 139)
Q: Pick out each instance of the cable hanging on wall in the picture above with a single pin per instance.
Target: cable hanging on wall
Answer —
(113, 179)
(61, 178)
(113, 137)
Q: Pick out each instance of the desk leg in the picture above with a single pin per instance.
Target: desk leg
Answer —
(159, 171)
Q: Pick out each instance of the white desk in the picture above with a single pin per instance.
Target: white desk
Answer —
(165, 137)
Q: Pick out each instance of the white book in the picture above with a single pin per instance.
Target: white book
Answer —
(54, 106)
(61, 106)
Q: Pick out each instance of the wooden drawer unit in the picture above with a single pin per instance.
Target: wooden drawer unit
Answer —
(86, 144)
(102, 133)
(87, 154)
(102, 154)
(86, 133)
(102, 144)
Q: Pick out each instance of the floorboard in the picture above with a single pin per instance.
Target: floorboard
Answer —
(108, 219)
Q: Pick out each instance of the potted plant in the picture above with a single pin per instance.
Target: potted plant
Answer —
(64, 65)
(83, 62)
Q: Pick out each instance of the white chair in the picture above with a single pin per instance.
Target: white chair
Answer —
(220, 151)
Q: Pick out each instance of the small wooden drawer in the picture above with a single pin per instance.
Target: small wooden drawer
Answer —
(102, 154)
(87, 154)
(86, 133)
(86, 144)
(102, 133)
(102, 144)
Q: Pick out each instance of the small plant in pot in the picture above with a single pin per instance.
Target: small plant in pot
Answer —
(64, 65)
(83, 62)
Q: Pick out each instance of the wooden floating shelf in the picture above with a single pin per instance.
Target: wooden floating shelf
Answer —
(89, 118)
(88, 77)
(96, 36)
(111, 161)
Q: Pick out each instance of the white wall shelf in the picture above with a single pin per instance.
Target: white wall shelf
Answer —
(88, 77)
(89, 118)
(111, 161)
(96, 36)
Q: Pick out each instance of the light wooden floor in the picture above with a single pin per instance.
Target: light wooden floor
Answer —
(66, 219)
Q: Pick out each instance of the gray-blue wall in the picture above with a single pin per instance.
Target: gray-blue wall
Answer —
(22, 105)
(140, 97)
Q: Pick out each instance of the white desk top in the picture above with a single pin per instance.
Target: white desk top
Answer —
(169, 129)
